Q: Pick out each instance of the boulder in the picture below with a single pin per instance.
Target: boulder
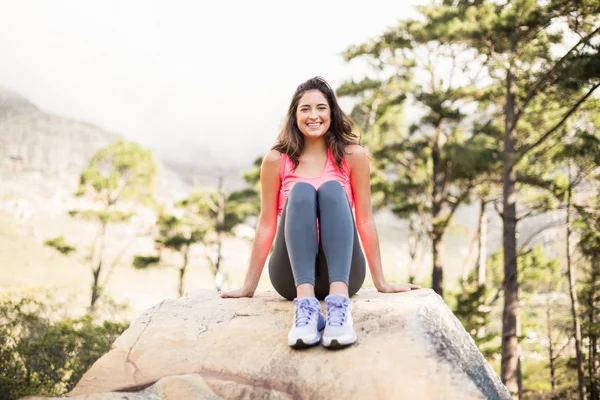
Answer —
(410, 345)
(170, 388)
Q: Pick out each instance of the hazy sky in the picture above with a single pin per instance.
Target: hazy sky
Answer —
(183, 75)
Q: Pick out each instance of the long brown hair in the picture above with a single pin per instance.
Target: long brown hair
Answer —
(291, 141)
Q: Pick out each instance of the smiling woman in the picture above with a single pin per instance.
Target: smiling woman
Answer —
(312, 179)
(313, 115)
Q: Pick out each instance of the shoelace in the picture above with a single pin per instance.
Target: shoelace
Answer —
(336, 313)
(304, 312)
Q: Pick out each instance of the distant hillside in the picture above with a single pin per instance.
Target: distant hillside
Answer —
(32, 140)
(57, 148)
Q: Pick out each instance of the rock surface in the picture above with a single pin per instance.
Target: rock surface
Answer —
(410, 346)
(169, 388)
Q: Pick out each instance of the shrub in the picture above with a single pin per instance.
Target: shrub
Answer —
(43, 356)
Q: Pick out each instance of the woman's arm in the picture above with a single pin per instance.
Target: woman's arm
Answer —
(266, 227)
(360, 178)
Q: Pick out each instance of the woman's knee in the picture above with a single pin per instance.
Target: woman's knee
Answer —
(331, 191)
(302, 194)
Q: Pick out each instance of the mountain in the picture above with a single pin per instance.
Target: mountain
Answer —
(57, 148)
(32, 140)
(41, 158)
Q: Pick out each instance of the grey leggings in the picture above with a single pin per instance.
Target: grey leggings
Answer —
(300, 255)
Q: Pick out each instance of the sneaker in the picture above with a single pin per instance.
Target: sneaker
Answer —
(338, 330)
(308, 323)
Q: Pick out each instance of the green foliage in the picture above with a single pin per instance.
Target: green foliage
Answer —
(122, 171)
(252, 176)
(545, 316)
(537, 273)
(43, 356)
(426, 171)
(202, 217)
(531, 65)
(142, 262)
(178, 230)
(589, 242)
(103, 216)
(588, 228)
(473, 306)
(59, 244)
(536, 373)
(210, 203)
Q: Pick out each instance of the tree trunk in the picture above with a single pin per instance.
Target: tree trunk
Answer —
(438, 271)
(412, 250)
(482, 252)
(573, 295)
(482, 249)
(436, 208)
(96, 271)
(511, 351)
(95, 288)
(182, 270)
(550, 342)
(466, 268)
(220, 225)
(593, 339)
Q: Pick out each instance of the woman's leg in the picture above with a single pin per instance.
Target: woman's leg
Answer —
(280, 267)
(343, 257)
(340, 261)
(292, 264)
(358, 269)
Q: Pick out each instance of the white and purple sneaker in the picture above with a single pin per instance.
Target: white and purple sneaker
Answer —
(339, 331)
(308, 323)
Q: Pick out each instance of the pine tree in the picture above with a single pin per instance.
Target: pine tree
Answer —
(425, 174)
(516, 40)
(118, 178)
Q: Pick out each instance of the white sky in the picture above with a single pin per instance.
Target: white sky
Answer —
(178, 75)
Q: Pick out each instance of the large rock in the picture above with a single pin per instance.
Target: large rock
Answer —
(170, 388)
(410, 346)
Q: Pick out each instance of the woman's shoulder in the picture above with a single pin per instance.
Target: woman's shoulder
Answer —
(355, 153)
(273, 156)
(271, 163)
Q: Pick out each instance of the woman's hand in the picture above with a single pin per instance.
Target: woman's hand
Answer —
(243, 292)
(387, 287)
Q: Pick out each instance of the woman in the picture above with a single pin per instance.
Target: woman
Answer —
(312, 178)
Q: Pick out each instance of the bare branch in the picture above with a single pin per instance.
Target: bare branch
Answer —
(447, 175)
(527, 215)
(500, 213)
(546, 135)
(542, 80)
(562, 348)
(211, 204)
(455, 205)
(542, 229)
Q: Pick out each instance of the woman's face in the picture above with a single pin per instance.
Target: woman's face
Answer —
(313, 114)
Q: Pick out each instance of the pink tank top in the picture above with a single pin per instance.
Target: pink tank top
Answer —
(330, 173)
